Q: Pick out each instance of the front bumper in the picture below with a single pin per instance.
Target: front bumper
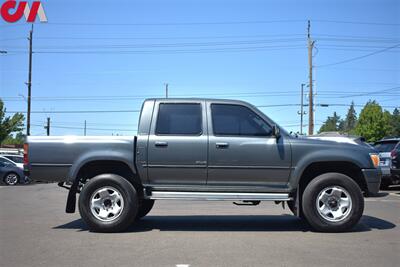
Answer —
(373, 179)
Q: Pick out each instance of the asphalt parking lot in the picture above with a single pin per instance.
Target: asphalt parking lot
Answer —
(35, 231)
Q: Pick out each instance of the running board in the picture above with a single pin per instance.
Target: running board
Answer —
(219, 196)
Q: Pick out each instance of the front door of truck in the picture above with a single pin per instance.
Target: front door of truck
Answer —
(242, 149)
(177, 148)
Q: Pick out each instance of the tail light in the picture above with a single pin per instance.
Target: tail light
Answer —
(393, 153)
(26, 160)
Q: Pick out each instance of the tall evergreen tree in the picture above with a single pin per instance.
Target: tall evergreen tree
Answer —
(332, 124)
(350, 121)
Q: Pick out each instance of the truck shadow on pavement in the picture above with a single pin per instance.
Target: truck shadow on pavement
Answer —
(231, 223)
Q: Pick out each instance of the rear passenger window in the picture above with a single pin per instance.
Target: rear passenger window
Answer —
(179, 119)
(236, 120)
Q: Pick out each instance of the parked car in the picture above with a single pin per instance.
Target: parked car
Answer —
(16, 159)
(385, 147)
(206, 149)
(10, 174)
(395, 166)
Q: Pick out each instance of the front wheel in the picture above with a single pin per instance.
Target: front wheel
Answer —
(108, 203)
(332, 202)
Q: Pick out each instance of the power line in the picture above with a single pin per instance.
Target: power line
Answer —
(375, 92)
(357, 22)
(166, 38)
(93, 129)
(167, 45)
(176, 23)
(180, 51)
(137, 111)
(212, 23)
(359, 57)
(330, 93)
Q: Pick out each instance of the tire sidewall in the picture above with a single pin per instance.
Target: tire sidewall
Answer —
(310, 197)
(129, 196)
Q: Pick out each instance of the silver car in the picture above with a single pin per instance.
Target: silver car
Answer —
(16, 159)
(10, 174)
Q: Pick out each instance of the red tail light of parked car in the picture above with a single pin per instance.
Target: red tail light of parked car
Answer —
(393, 153)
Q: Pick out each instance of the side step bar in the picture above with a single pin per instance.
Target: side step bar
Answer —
(219, 196)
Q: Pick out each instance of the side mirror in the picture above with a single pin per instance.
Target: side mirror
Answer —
(276, 131)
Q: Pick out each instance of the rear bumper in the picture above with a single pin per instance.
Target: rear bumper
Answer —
(373, 179)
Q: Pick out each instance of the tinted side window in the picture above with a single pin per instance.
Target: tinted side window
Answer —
(238, 120)
(179, 119)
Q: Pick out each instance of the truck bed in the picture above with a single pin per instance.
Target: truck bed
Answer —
(57, 158)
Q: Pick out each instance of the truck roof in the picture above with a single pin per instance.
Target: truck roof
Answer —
(221, 100)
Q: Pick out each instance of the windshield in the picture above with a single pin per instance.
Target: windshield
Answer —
(385, 146)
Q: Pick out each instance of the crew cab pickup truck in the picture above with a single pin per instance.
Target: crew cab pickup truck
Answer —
(206, 149)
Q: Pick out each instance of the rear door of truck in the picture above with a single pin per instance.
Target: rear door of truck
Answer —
(177, 147)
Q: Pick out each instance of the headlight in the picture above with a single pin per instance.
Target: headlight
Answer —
(374, 159)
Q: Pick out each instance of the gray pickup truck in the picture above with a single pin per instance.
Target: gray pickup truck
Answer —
(206, 149)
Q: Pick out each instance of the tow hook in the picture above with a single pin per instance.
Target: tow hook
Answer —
(247, 203)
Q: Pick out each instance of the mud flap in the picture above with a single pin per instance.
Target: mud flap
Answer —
(71, 199)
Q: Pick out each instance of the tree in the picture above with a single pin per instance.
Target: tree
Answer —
(332, 124)
(395, 122)
(9, 125)
(373, 124)
(18, 139)
(350, 122)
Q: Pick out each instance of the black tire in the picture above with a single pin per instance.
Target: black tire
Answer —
(126, 192)
(319, 184)
(145, 206)
(15, 179)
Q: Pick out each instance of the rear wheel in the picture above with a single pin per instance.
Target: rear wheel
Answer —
(332, 202)
(11, 178)
(108, 203)
(145, 206)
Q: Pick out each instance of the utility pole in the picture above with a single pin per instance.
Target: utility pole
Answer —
(29, 83)
(47, 127)
(84, 129)
(302, 112)
(166, 90)
(311, 96)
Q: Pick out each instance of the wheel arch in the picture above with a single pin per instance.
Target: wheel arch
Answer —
(96, 166)
(344, 167)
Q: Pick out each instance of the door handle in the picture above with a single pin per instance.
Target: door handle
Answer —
(221, 145)
(161, 144)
